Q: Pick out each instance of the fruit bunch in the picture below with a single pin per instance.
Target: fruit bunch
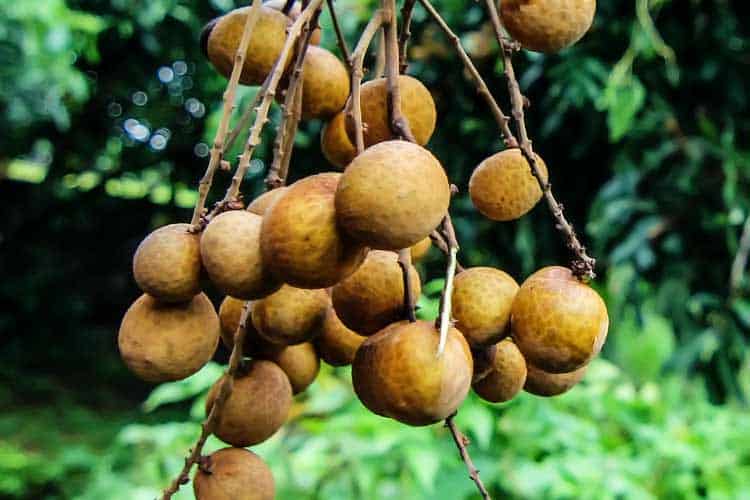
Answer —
(323, 269)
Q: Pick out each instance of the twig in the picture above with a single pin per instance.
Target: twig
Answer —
(399, 125)
(379, 70)
(339, 35)
(243, 122)
(462, 443)
(444, 318)
(404, 260)
(438, 239)
(740, 259)
(406, 11)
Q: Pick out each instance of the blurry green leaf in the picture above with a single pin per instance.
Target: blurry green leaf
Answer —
(174, 392)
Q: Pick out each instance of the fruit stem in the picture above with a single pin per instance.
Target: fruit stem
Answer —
(399, 125)
(404, 260)
(407, 9)
(340, 40)
(444, 317)
(461, 443)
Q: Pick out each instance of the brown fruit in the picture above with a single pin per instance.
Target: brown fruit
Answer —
(230, 314)
(503, 188)
(294, 13)
(300, 363)
(373, 297)
(507, 376)
(325, 86)
(161, 342)
(234, 474)
(291, 315)
(547, 25)
(335, 143)
(484, 361)
(397, 373)
(392, 195)
(417, 107)
(230, 250)
(482, 299)
(558, 323)
(300, 240)
(337, 344)
(167, 264)
(547, 384)
(420, 249)
(260, 204)
(256, 408)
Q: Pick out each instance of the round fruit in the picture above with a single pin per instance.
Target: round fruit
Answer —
(335, 143)
(291, 315)
(229, 474)
(260, 204)
(373, 297)
(294, 13)
(230, 250)
(337, 344)
(256, 408)
(420, 249)
(397, 373)
(230, 314)
(300, 240)
(547, 25)
(167, 264)
(558, 323)
(161, 342)
(392, 195)
(325, 86)
(482, 299)
(547, 384)
(503, 188)
(300, 363)
(507, 376)
(484, 360)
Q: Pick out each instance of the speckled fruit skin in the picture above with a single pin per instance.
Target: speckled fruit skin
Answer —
(291, 315)
(547, 25)
(558, 323)
(325, 87)
(373, 297)
(335, 143)
(300, 240)
(230, 251)
(397, 374)
(392, 195)
(503, 188)
(162, 342)
(257, 407)
(167, 264)
(230, 314)
(417, 107)
(482, 299)
(337, 344)
(541, 383)
(420, 249)
(507, 377)
(300, 363)
(260, 204)
(235, 474)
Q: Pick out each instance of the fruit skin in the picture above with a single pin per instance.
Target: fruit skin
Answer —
(167, 263)
(291, 315)
(163, 342)
(541, 383)
(260, 204)
(325, 86)
(392, 195)
(234, 474)
(484, 360)
(300, 240)
(503, 188)
(558, 323)
(420, 249)
(230, 314)
(482, 299)
(547, 25)
(335, 143)
(417, 107)
(507, 377)
(373, 297)
(397, 374)
(230, 250)
(256, 408)
(337, 344)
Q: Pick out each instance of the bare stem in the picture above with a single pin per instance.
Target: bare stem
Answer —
(406, 11)
(444, 317)
(438, 239)
(462, 443)
(404, 260)
(339, 35)
(399, 125)
(740, 259)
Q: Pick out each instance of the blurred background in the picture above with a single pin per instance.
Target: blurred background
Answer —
(108, 111)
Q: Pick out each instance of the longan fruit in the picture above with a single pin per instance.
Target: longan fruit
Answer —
(541, 383)
(290, 315)
(484, 360)
(325, 86)
(260, 204)
(300, 362)
(234, 474)
(420, 249)
(230, 314)
(335, 143)
(507, 376)
(337, 344)
(547, 25)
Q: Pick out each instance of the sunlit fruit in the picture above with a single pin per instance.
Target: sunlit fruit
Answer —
(325, 85)
(234, 474)
(420, 249)
(290, 315)
(260, 204)
(300, 362)
(547, 25)
(392, 195)
(337, 344)
(335, 143)
(507, 376)
(541, 383)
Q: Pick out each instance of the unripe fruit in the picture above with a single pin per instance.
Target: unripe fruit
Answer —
(260, 204)
(167, 264)
(541, 383)
(420, 249)
(507, 376)
(397, 373)
(234, 474)
(335, 143)
(325, 85)
(482, 299)
(230, 314)
(337, 344)
(503, 188)
(392, 195)
(558, 323)
(257, 406)
(300, 241)
(291, 315)
(547, 25)
(373, 297)
(162, 342)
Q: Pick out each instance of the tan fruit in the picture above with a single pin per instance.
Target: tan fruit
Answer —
(325, 85)
(484, 360)
(482, 299)
(294, 13)
(335, 143)
(291, 315)
(558, 323)
(300, 240)
(234, 474)
(397, 374)
(300, 363)
(392, 195)
(256, 408)
(373, 297)
(547, 25)
(541, 383)
(507, 376)
(161, 342)
(337, 344)
(503, 188)
(230, 314)
(420, 249)
(167, 264)
(260, 204)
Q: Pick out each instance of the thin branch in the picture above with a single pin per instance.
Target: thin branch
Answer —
(379, 70)
(444, 318)
(462, 443)
(340, 40)
(438, 239)
(399, 125)
(407, 9)
(740, 259)
(404, 260)
(243, 122)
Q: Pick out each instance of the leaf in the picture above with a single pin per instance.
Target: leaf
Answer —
(174, 392)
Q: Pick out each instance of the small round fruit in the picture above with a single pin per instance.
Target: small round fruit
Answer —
(167, 264)
(256, 408)
(507, 376)
(162, 342)
(291, 315)
(337, 344)
(325, 86)
(558, 323)
(373, 297)
(484, 361)
(260, 204)
(503, 188)
(335, 143)
(482, 299)
(397, 373)
(541, 383)
(230, 314)
(392, 195)
(236, 474)
(420, 249)
(300, 363)
(547, 25)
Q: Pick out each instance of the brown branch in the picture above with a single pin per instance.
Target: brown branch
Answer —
(404, 261)
(740, 259)
(407, 9)
(379, 70)
(243, 122)
(444, 321)
(399, 125)
(461, 443)
(340, 40)
(438, 239)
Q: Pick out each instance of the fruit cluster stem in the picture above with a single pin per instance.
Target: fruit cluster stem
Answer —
(407, 9)
(340, 40)
(461, 443)
(404, 261)
(444, 318)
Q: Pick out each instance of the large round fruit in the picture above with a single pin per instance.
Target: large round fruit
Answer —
(337, 344)
(236, 474)
(335, 143)
(260, 204)
(507, 376)
(325, 86)
(547, 25)
(291, 315)
(541, 383)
